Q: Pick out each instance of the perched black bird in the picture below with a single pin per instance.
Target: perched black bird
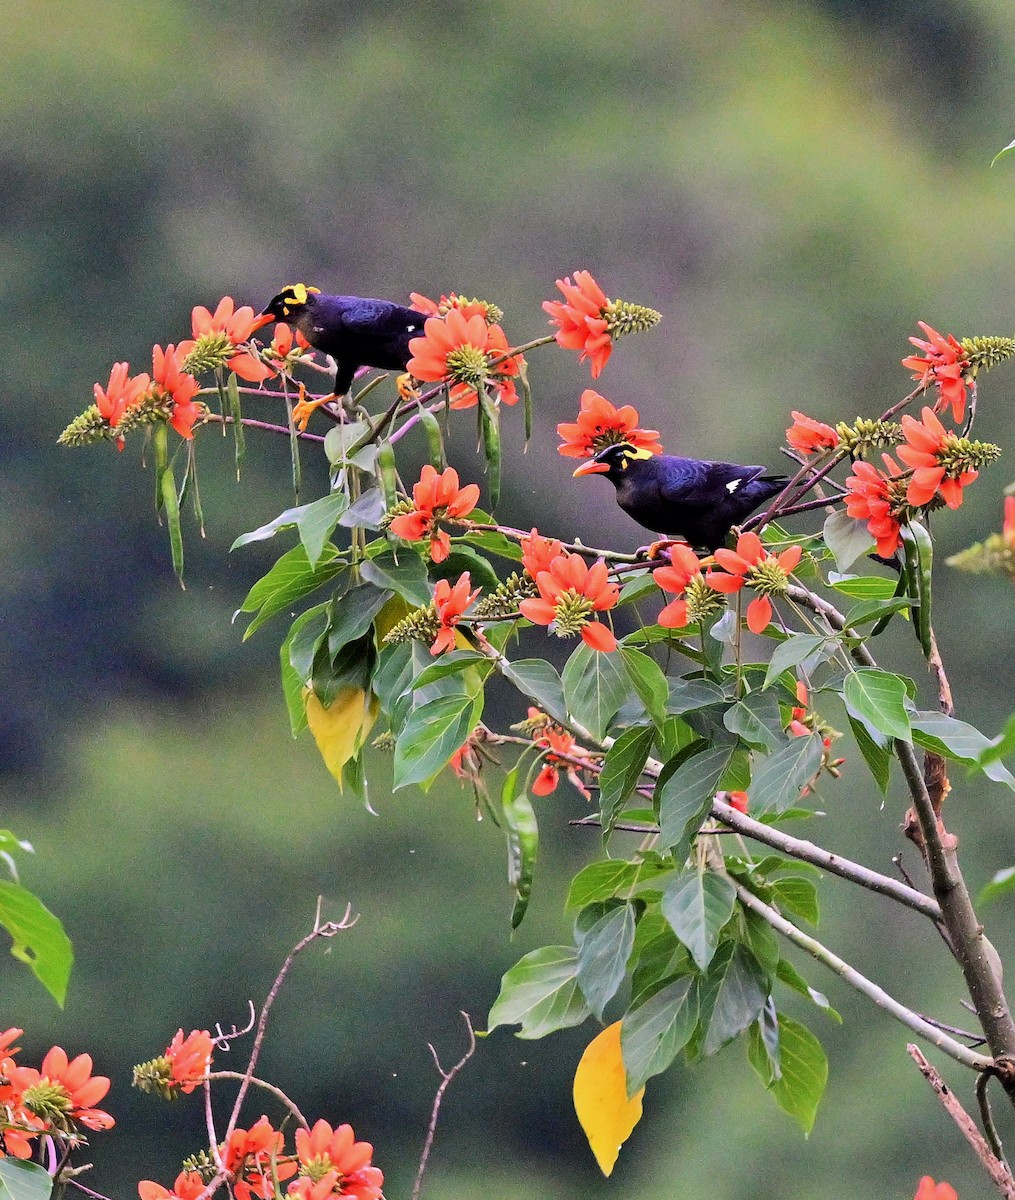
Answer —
(684, 497)
(356, 332)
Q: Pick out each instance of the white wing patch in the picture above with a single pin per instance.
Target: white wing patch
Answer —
(733, 484)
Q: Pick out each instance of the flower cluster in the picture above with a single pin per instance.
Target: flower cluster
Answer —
(449, 605)
(879, 498)
(945, 364)
(183, 1067)
(695, 601)
(570, 591)
(436, 497)
(601, 424)
(466, 354)
(943, 463)
(492, 314)
(753, 566)
(803, 721)
(590, 323)
(561, 750)
(929, 1190)
(810, 436)
(54, 1099)
(220, 339)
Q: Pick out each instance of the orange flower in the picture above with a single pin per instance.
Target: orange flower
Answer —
(177, 386)
(460, 351)
(333, 1157)
(581, 319)
(556, 741)
(945, 364)
(880, 500)
(570, 591)
(188, 1185)
(808, 435)
(752, 564)
(218, 337)
(120, 393)
(468, 308)
(929, 447)
(63, 1090)
(929, 1190)
(538, 552)
(190, 1059)
(737, 800)
(684, 566)
(1009, 520)
(450, 603)
(600, 424)
(434, 498)
(252, 1155)
(282, 343)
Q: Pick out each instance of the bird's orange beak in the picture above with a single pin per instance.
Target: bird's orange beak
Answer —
(590, 468)
(260, 322)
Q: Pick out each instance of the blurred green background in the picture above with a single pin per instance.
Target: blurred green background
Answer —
(793, 184)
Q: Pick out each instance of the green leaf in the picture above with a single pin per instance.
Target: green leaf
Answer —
(340, 439)
(918, 557)
(284, 520)
(622, 768)
(732, 996)
(799, 1088)
(958, 741)
(24, 1180)
(610, 878)
(673, 737)
(698, 905)
(368, 511)
(431, 734)
(523, 844)
(654, 1034)
(316, 522)
(537, 681)
(875, 610)
(404, 573)
(793, 651)
(847, 538)
(757, 720)
(636, 587)
(289, 580)
(878, 700)
(688, 695)
(863, 587)
(875, 753)
(790, 976)
(38, 938)
(797, 895)
(1001, 746)
(450, 664)
(595, 686)
(686, 796)
(780, 777)
(296, 661)
(1002, 883)
(648, 681)
(766, 1028)
(541, 994)
(603, 951)
(353, 615)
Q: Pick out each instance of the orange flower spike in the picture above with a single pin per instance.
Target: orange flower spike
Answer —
(190, 1058)
(569, 592)
(450, 603)
(188, 1186)
(1008, 529)
(937, 457)
(434, 497)
(538, 552)
(63, 1090)
(929, 1190)
(601, 424)
(945, 364)
(458, 351)
(809, 436)
(751, 564)
(222, 333)
(179, 387)
(581, 324)
(120, 393)
(872, 497)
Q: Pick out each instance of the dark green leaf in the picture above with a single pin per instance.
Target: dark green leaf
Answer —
(672, 737)
(523, 844)
(404, 573)
(636, 587)
(608, 879)
(801, 1085)
(654, 1034)
(648, 681)
(875, 753)
(541, 994)
(316, 522)
(796, 895)
(603, 952)
(450, 664)
(698, 905)
(431, 734)
(686, 796)
(353, 615)
(863, 587)
(38, 938)
(622, 769)
(766, 1029)
(340, 439)
(595, 686)
(790, 976)
(780, 777)
(847, 538)
(296, 660)
(687, 695)
(793, 651)
(289, 580)
(365, 513)
(659, 957)
(351, 667)
(875, 610)
(539, 682)
(462, 559)
(735, 996)
(757, 720)
(24, 1180)
(877, 699)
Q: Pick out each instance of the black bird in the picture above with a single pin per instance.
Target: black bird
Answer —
(685, 497)
(355, 331)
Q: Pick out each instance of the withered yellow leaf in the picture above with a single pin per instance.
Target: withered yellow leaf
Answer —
(600, 1098)
(341, 729)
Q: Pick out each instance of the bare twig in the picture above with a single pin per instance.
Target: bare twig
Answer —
(987, 1117)
(446, 1078)
(268, 1087)
(996, 1167)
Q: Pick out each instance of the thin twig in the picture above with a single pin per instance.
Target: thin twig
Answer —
(268, 1087)
(987, 1117)
(446, 1078)
(996, 1167)
(862, 984)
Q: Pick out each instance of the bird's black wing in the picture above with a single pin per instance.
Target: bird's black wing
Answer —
(357, 314)
(702, 484)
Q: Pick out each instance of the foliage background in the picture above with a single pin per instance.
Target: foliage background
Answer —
(793, 184)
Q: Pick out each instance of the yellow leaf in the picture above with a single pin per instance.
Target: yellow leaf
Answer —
(389, 616)
(341, 729)
(600, 1098)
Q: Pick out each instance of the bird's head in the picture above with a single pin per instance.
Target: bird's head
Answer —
(291, 301)
(613, 460)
